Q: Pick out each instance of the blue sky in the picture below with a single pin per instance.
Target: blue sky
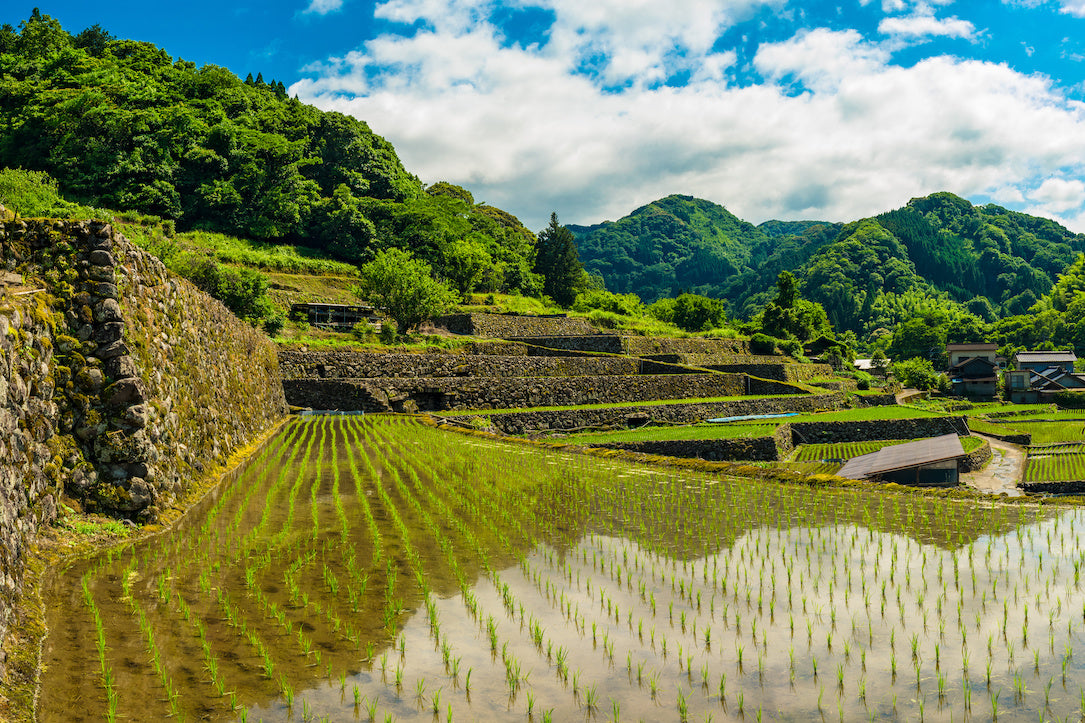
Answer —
(773, 108)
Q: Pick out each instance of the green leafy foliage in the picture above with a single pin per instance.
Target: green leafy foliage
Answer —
(35, 194)
(123, 125)
(557, 262)
(674, 244)
(918, 374)
(790, 316)
(693, 312)
(242, 290)
(404, 287)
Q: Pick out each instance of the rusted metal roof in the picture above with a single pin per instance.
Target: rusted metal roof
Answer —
(904, 456)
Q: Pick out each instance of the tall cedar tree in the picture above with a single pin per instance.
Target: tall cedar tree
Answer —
(556, 259)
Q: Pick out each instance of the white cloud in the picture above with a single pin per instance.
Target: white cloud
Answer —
(1073, 7)
(1059, 195)
(923, 24)
(323, 7)
(835, 132)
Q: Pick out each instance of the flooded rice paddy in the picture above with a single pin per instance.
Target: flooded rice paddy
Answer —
(379, 569)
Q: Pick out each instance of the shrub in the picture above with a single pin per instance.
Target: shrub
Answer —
(243, 291)
(602, 300)
(693, 312)
(274, 324)
(1070, 400)
(762, 344)
(918, 374)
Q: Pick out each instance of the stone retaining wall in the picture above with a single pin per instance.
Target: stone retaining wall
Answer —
(444, 393)
(756, 449)
(503, 326)
(780, 371)
(678, 413)
(976, 459)
(631, 345)
(875, 400)
(920, 428)
(358, 365)
(119, 383)
(1022, 438)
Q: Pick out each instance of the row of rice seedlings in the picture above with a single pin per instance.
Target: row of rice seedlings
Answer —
(837, 450)
(1054, 467)
(685, 579)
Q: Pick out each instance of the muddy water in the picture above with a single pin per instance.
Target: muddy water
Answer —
(370, 569)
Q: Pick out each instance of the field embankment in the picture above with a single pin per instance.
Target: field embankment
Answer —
(120, 384)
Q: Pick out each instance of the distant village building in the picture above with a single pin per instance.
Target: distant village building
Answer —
(958, 353)
(868, 366)
(1040, 375)
(973, 369)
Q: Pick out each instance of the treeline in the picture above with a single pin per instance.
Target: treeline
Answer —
(122, 125)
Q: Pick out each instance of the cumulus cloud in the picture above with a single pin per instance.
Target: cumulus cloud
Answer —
(323, 7)
(1059, 195)
(1073, 7)
(834, 130)
(923, 24)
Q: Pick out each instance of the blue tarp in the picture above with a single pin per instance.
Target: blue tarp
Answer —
(719, 420)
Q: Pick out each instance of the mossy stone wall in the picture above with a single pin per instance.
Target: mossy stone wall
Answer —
(119, 383)
(630, 416)
(503, 392)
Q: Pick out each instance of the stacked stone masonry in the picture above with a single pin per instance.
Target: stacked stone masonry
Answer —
(630, 416)
(119, 383)
(506, 392)
(504, 326)
(642, 346)
(754, 449)
(357, 365)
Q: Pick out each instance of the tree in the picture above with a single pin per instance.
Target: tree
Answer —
(788, 315)
(556, 259)
(697, 313)
(917, 374)
(405, 288)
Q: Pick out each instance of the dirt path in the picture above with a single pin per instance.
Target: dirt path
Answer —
(1003, 473)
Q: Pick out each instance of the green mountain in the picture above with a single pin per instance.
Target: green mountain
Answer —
(675, 244)
(120, 124)
(983, 261)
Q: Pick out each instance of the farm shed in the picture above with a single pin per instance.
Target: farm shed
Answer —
(333, 316)
(925, 462)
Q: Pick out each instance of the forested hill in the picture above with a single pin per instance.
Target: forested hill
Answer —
(678, 243)
(121, 124)
(981, 261)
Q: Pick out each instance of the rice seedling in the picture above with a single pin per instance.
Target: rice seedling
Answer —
(349, 520)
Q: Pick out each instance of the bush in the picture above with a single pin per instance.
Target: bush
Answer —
(243, 291)
(693, 312)
(918, 374)
(274, 324)
(762, 344)
(1070, 400)
(33, 194)
(405, 288)
(602, 300)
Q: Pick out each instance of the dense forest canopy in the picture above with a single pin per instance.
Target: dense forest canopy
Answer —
(120, 124)
(941, 259)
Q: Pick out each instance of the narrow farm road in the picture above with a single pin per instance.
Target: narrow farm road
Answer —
(1003, 474)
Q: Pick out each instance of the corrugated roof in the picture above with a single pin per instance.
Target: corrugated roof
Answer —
(1040, 356)
(904, 456)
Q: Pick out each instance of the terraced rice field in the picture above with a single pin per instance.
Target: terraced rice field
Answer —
(379, 569)
(1056, 463)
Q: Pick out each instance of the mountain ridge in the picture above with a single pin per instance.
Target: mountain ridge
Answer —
(985, 260)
